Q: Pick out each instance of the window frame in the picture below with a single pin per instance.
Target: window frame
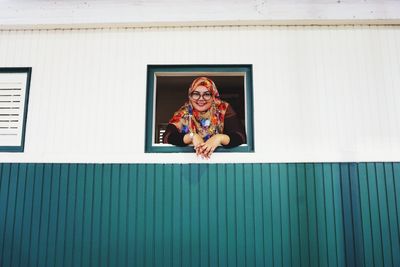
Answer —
(28, 71)
(203, 70)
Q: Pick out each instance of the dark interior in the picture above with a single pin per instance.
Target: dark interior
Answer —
(171, 94)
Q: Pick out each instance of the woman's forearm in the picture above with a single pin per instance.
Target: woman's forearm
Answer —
(224, 139)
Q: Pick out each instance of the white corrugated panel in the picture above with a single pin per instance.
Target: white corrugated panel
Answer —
(326, 93)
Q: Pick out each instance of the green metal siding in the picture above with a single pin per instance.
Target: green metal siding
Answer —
(326, 214)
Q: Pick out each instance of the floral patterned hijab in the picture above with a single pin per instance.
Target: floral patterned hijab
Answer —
(207, 123)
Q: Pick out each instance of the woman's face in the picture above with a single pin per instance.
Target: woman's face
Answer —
(201, 104)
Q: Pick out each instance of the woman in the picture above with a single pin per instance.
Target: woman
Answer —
(205, 121)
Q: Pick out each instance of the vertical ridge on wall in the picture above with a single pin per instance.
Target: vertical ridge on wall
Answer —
(322, 214)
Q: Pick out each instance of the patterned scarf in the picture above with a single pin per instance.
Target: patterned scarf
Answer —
(207, 123)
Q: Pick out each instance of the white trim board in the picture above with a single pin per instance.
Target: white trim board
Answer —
(34, 14)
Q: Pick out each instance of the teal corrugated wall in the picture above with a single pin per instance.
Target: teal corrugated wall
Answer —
(200, 215)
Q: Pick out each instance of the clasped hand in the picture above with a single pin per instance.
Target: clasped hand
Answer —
(205, 149)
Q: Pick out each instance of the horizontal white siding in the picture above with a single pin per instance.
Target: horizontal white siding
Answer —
(326, 93)
(29, 14)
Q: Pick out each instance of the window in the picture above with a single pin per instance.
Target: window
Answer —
(167, 88)
(14, 92)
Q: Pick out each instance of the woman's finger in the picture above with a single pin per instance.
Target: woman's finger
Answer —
(199, 145)
(197, 149)
(208, 151)
(211, 151)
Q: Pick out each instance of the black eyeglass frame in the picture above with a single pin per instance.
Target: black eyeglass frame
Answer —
(206, 96)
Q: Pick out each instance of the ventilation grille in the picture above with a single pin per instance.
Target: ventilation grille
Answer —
(160, 132)
(12, 104)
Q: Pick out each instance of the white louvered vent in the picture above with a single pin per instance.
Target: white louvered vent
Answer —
(13, 89)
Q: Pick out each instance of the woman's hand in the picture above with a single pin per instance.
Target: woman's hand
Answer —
(207, 148)
(197, 142)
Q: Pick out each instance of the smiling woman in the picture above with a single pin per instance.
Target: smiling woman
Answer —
(201, 108)
(205, 121)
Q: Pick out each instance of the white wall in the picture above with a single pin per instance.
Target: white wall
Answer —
(94, 13)
(320, 93)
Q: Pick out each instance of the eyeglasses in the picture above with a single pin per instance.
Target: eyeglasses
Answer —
(196, 95)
